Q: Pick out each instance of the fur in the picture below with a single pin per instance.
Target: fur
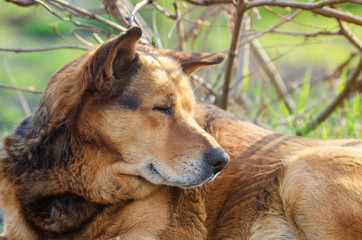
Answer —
(118, 147)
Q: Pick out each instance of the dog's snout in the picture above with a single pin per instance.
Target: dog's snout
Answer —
(217, 158)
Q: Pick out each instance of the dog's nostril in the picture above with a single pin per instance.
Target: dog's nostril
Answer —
(219, 166)
(217, 158)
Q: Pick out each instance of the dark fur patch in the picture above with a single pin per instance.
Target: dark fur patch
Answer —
(61, 215)
(53, 149)
(127, 98)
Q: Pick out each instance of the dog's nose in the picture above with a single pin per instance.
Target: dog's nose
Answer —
(217, 158)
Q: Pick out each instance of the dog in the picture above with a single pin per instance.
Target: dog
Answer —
(118, 148)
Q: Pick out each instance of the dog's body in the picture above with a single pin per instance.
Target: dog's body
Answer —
(117, 141)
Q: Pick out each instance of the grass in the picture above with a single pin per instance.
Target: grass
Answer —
(344, 122)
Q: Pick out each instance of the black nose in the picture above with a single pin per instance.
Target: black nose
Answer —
(217, 158)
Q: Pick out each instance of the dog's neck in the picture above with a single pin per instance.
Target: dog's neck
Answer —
(51, 195)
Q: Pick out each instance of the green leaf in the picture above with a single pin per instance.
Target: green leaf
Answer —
(153, 41)
(54, 26)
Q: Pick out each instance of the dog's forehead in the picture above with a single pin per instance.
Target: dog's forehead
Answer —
(162, 67)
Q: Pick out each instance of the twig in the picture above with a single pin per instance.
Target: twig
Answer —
(349, 35)
(305, 34)
(165, 12)
(21, 89)
(157, 39)
(180, 27)
(89, 14)
(350, 83)
(76, 23)
(357, 86)
(208, 3)
(16, 50)
(137, 7)
(196, 24)
(23, 3)
(339, 68)
(301, 5)
(115, 11)
(208, 30)
(55, 29)
(291, 19)
(243, 58)
(204, 83)
(20, 94)
(334, 13)
(97, 38)
(232, 53)
(272, 28)
(79, 38)
(317, 7)
(273, 74)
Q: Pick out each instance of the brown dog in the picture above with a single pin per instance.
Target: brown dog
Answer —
(117, 143)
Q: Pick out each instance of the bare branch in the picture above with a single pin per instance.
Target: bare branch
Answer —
(334, 13)
(209, 2)
(350, 83)
(317, 7)
(55, 29)
(179, 27)
(97, 38)
(287, 18)
(349, 35)
(272, 28)
(204, 83)
(232, 53)
(243, 63)
(137, 7)
(23, 3)
(116, 12)
(20, 94)
(306, 34)
(76, 23)
(196, 24)
(17, 50)
(21, 89)
(89, 14)
(165, 12)
(301, 5)
(79, 38)
(273, 74)
(357, 86)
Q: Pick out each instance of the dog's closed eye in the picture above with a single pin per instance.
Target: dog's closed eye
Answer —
(165, 110)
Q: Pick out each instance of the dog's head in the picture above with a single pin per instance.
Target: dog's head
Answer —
(134, 106)
(146, 115)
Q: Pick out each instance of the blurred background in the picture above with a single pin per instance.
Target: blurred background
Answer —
(293, 68)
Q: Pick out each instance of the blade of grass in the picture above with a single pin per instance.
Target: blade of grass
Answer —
(342, 80)
(304, 93)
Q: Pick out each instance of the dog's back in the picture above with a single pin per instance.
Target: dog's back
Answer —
(282, 187)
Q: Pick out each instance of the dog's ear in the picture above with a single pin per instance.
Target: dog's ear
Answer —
(111, 58)
(190, 61)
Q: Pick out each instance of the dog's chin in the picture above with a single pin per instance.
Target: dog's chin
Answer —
(156, 177)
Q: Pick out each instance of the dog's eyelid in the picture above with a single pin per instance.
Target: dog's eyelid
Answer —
(164, 109)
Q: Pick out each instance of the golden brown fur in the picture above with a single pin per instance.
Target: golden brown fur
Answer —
(118, 147)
